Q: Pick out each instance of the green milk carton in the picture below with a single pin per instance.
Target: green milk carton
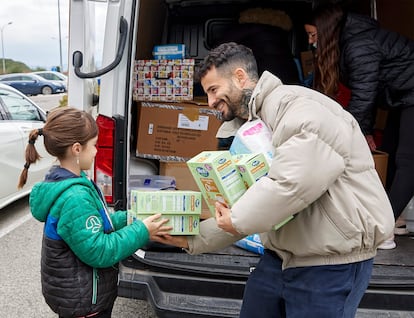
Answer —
(217, 177)
(181, 208)
(251, 167)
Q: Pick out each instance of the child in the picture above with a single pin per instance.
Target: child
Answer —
(82, 241)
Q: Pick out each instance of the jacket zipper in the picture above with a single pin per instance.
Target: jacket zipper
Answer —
(95, 280)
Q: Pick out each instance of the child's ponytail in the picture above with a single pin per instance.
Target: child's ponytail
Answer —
(31, 155)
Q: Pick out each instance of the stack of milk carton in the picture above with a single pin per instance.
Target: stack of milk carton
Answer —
(181, 208)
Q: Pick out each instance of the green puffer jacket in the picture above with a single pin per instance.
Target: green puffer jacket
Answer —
(82, 243)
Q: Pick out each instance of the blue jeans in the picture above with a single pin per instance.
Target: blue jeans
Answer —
(330, 291)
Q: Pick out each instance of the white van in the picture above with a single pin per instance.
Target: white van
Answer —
(107, 37)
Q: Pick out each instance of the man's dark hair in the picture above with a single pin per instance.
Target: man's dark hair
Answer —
(226, 57)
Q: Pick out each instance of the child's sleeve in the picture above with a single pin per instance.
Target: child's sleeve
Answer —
(119, 219)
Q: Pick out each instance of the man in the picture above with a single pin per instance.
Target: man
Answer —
(318, 264)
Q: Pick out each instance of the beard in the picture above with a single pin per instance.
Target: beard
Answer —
(237, 104)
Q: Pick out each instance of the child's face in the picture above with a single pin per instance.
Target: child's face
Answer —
(88, 153)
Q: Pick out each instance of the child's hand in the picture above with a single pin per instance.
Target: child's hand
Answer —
(156, 226)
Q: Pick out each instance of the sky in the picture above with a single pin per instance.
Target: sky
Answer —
(33, 36)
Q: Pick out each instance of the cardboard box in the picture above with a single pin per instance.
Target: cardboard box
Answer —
(183, 180)
(306, 59)
(175, 131)
(217, 177)
(251, 167)
(163, 80)
(381, 164)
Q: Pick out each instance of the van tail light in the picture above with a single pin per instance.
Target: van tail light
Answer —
(104, 160)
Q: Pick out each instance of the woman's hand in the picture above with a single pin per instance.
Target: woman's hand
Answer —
(156, 226)
(223, 218)
(371, 142)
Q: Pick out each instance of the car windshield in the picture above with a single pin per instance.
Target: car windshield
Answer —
(18, 107)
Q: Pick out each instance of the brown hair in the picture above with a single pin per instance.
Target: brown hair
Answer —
(64, 127)
(328, 20)
(227, 56)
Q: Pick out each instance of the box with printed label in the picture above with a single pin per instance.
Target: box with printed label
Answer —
(163, 80)
(169, 52)
(175, 131)
(251, 167)
(217, 177)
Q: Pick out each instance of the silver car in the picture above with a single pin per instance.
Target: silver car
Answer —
(18, 116)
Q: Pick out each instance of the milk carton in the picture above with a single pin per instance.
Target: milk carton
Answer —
(217, 177)
(251, 167)
(181, 208)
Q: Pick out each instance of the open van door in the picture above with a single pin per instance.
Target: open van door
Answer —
(100, 50)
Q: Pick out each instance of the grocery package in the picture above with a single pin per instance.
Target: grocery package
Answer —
(181, 208)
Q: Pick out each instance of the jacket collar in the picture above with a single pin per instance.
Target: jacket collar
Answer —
(266, 84)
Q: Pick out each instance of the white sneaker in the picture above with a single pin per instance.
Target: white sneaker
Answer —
(388, 244)
(400, 227)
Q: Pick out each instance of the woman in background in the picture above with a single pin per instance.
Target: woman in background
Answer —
(377, 66)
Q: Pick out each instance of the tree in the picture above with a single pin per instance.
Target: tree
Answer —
(18, 67)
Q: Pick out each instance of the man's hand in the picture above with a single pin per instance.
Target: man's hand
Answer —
(223, 218)
(174, 240)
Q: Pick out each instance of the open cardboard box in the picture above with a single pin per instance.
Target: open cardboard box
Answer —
(381, 163)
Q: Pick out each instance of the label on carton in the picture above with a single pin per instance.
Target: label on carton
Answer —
(251, 167)
(200, 124)
(144, 201)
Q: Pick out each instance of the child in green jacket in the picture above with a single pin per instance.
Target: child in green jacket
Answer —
(82, 241)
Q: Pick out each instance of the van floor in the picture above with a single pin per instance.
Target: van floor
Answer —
(402, 255)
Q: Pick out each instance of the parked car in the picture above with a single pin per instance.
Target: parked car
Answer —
(54, 76)
(18, 116)
(32, 84)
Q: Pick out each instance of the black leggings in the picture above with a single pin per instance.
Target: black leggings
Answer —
(103, 314)
(398, 142)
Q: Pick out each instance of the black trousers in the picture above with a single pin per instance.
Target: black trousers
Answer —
(103, 314)
(398, 142)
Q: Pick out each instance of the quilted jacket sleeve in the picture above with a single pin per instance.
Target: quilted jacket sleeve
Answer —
(303, 168)
(361, 63)
(81, 227)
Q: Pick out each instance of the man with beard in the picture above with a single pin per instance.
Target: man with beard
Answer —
(319, 263)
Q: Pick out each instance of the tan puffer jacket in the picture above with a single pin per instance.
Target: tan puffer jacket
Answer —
(322, 172)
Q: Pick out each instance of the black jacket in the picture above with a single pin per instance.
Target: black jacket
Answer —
(378, 66)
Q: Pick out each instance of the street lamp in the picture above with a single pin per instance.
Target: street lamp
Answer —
(60, 40)
(2, 45)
